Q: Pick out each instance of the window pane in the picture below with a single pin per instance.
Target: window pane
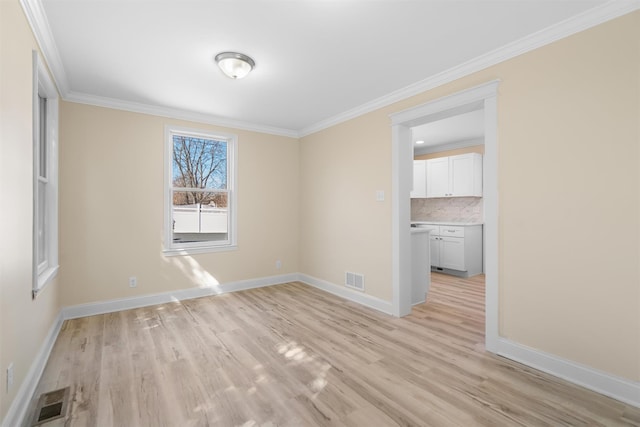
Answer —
(199, 216)
(42, 146)
(199, 163)
(41, 212)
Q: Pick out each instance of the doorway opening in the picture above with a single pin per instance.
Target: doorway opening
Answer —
(447, 200)
(478, 98)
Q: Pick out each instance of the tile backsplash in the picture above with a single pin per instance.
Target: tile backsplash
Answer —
(458, 209)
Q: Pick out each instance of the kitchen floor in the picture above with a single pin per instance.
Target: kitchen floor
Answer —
(451, 294)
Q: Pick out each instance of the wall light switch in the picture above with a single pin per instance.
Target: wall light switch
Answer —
(379, 195)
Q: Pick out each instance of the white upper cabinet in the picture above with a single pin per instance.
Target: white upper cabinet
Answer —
(419, 190)
(438, 177)
(455, 176)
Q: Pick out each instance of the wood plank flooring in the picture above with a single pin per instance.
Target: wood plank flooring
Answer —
(291, 355)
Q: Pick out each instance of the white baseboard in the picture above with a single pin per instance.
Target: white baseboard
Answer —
(621, 389)
(346, 293)
(18, 409)
(111, 306)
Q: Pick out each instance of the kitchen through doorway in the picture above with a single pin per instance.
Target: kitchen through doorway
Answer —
(446, 198)
(482, 97)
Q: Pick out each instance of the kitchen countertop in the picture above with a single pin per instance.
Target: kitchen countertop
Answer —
(461, 224)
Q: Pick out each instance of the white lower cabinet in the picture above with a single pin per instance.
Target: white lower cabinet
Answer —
(456, 249)
(452, 253)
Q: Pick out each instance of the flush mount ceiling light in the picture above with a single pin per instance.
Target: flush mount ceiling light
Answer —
(235, 65)
(420, 142)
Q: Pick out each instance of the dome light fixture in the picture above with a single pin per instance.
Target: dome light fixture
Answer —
(420, 142)
(235, 65)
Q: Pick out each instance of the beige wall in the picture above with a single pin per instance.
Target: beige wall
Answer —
(447, 153)
(24, 323)
(568, 165)
(111, 208)
(344, 228)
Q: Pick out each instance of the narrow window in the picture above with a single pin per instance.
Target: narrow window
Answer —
(200, 193)
(45, 177)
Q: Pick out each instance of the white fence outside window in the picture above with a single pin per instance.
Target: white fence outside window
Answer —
(199, 219)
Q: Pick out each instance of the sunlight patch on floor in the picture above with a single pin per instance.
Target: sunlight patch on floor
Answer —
(294, 352)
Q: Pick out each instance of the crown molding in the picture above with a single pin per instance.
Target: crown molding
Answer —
(176, 113)
(590, 18)
(37, 19)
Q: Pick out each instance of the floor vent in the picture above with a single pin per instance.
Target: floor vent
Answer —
(354, 280)
(51, 406)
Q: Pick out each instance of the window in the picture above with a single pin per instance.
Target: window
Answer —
(200, 196)
(45, 177)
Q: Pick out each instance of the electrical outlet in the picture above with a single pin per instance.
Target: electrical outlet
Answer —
(9, 376)
(278, 264)
(133, 282)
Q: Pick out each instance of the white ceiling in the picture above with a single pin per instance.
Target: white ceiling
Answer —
(315, 60)
(463, 127)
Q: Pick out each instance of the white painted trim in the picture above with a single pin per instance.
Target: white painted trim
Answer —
(178, 114)
(483, 96)
(573, 25)
(401, 184)
(111, 306)
(37, 19)
(20, 405)
(490, 204)
(42, 85)
(601, 382)
(174, 249)
(346, 293)
(418, 150)
(463, 101)
(39, 24)
(621, 389)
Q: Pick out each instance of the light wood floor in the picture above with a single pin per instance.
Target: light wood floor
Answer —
(291, 355)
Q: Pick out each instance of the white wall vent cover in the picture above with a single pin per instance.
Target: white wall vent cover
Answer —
(354, 280)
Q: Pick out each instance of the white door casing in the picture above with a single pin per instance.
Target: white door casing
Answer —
(479, 97)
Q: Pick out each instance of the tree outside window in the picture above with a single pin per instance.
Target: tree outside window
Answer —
(200, 211)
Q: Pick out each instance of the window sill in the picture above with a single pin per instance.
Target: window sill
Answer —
(198, 250)
(45, 278)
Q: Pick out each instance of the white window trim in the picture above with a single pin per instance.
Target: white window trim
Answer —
(172, 249)
(43, 85)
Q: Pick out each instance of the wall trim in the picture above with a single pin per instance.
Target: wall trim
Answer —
(114, 305)
(621, 389)
(22, 401)
(37, 19)
(175, 113)
(484, 97)
(590, 18)
(346, 293)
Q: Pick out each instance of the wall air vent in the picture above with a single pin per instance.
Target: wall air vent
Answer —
(354, 280)
(51, 406)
